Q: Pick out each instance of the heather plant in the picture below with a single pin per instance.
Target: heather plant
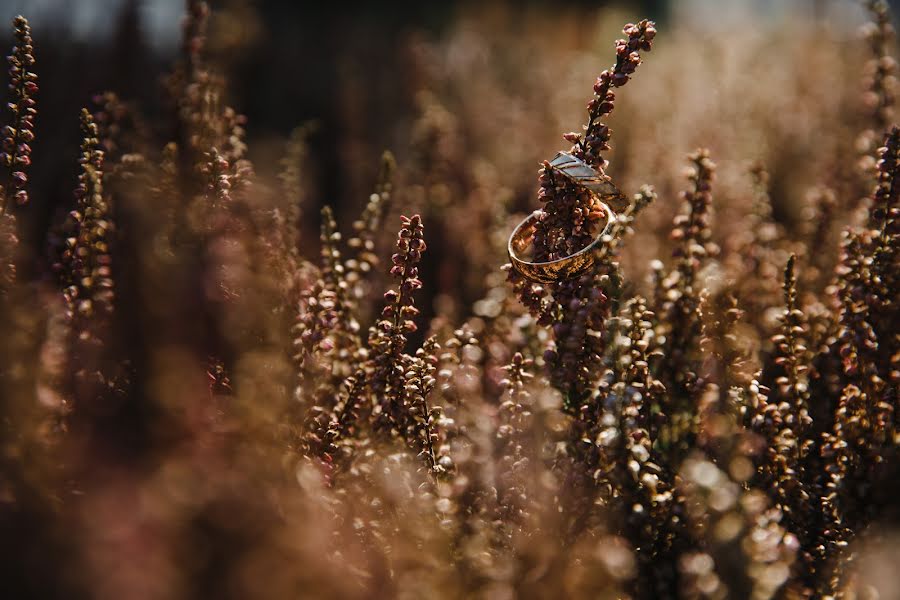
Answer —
(201, 398)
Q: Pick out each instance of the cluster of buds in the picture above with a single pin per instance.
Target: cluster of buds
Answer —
(692, 231)
(791, 355)
(422, 433)
(788, 421)
(626, 463)
(218, 179)
(532, 296)
(622, 226)
(206, 120)
(579, 340)
(388, 337)
(346, 333)
(332, 266)
(316, 317)
(400, 309)
(677, 302)
(568, 217)
(16, 155)
(595, 139)
(329, 429)
(515, 418)
(86, 261)
(884, 222)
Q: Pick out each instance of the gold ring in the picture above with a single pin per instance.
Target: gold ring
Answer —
(555, 270)
(602, 188)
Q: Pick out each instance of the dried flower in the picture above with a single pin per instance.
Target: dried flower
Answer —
(387, 338)
(19, 134)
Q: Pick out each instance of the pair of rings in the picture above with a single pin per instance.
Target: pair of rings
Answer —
(583, 175)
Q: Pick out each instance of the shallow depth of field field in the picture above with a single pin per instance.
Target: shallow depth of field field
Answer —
(272, 346)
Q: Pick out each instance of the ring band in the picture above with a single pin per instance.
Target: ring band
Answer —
(601, 187)
(554, 270)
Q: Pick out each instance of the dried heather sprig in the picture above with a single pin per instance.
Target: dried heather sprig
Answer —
(85, 261)
(328, 433)
(595, 139)
(332, 266)
(18, 135)
(218, 181)
(387, 338)
(679, 326)
(514, 417)
(578, 310)
(570, 213)
(641, 477)
(422, 432)
(792, 356)
(204, 120)
(858, 341)
(579, 343)
(692, 232)
(822, 210)
(316, 318)
(884, 225)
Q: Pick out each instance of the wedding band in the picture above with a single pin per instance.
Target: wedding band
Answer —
(555, 270)
(582, 175)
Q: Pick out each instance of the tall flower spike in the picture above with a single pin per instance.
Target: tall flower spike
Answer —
(332, 266)
(596, 134)
(793, 357)
(570, 212)
(18, 135)
(388, 336)
(86, 263)
(422, 434)
(885, 224)
(679, 326)
(692, 232)
(218, 180)
(346, 330)
(514, 416)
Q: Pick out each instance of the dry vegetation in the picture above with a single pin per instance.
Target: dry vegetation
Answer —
(193, 405)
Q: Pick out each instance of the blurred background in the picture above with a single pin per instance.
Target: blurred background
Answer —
(470, 96)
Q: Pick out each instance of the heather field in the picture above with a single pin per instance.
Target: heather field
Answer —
(288, 339)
